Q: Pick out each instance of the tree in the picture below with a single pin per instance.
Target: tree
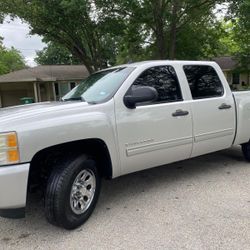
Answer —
(158, 25)
(96, 31)
(55, 54)
(72, 24)
(105, 32)
(198, 41)
(10, 60)
(240, 16)
(228, 39)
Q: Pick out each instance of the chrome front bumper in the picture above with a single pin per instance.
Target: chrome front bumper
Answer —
(13, 190)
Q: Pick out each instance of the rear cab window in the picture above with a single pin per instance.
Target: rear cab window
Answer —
(203, 81)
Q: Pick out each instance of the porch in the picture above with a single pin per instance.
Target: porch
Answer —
(42, 83)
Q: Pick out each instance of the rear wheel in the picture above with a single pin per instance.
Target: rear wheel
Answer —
(72, 192)
(246, 150)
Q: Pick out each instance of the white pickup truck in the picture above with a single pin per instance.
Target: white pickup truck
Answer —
(118, 121)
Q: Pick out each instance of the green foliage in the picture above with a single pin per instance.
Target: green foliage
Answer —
(10, 60)
(228, 39)
(165, 29)
(70, 23)
(100, 33)
(55, 54)
(242, 33)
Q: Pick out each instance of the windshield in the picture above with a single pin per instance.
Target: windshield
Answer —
(100, 86)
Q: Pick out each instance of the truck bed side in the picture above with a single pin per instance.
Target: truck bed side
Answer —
(242, 102)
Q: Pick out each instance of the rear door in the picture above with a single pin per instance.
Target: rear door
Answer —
(213, 109)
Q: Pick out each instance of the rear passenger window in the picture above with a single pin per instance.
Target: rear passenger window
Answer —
(203, 81)
(164, 80)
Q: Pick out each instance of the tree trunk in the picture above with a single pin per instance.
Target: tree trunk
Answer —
(86, 63)
(173, 30)
(84, 59)
(161, 44)
(158, 12)
(88, 66)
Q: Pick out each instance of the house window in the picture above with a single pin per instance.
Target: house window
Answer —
(63, 88)
(236, 78)
(72, 85)
(56, 88)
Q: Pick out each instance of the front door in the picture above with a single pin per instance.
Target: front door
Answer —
(156, 133)
(212, 108)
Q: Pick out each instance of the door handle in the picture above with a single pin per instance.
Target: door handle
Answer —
(225, 106)
(180, 112)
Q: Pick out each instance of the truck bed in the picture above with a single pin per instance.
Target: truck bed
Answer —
(242, 103)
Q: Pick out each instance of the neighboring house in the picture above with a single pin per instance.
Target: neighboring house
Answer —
(42, 83)
(236, 78)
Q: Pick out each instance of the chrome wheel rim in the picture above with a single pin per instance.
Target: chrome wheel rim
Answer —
(83, 191)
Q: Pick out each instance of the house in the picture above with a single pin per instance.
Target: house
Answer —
(41, 83)
(238, 79)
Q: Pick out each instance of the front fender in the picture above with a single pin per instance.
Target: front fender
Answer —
(42, 134)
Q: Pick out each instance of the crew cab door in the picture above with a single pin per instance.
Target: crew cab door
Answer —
(157, 133)
(212, 108)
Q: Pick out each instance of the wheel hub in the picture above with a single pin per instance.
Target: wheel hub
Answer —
(83, 191)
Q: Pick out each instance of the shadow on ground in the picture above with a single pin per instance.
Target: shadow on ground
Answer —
(120, 193)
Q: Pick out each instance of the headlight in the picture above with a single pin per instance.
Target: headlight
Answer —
(9, 153)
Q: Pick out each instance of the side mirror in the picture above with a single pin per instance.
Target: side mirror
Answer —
(138, 95)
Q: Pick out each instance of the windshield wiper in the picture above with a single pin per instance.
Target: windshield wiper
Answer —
(80, 98)
(92, 102)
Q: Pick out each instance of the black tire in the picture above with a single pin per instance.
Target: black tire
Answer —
(246, 150)
(58, 208)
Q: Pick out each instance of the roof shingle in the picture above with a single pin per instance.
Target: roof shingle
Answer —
(46, 73)
(226, 62)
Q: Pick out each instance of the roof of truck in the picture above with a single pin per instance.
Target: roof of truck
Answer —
(137, 64)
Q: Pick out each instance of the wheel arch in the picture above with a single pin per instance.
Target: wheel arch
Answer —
(42, 162)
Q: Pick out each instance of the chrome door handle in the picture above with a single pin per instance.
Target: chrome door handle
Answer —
(225, 106)
(180, 112)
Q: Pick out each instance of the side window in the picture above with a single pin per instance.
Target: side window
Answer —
(164, 80)
(203, 81)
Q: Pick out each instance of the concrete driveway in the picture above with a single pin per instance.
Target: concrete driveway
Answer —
(203, 203)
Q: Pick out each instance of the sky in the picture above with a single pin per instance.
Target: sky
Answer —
(16, 34)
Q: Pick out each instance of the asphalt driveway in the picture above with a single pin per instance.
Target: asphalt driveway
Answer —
(203, 203)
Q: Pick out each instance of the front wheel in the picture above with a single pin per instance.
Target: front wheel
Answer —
(72, 192)
(246, 150)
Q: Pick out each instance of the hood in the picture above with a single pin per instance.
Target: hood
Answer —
(26, 113)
